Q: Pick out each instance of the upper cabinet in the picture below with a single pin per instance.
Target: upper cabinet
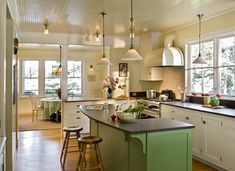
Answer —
(151, 74)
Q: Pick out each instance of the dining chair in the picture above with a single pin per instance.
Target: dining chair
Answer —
(36, 107)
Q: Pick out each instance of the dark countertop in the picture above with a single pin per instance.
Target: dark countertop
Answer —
(139, 126)
(199, 107)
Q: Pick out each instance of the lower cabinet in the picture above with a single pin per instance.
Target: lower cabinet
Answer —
(73, 116)
(213, 138)
(228, 144)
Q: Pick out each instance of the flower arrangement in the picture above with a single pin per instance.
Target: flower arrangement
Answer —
(110, 83)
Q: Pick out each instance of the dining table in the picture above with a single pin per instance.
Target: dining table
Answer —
(50, 105)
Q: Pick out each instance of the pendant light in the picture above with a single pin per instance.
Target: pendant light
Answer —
(199, 59)
(132, 54)
(104, 60)
(46, 31)
(58, 69)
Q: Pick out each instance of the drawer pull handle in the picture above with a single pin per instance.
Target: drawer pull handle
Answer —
(78, 105)
(204, 122)
(78, 118)
(187, 118)
(78, 111)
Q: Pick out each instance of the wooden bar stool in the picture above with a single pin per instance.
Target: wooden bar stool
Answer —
(71, 132)
(89, 140)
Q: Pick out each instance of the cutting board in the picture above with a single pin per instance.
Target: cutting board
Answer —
(213, 107)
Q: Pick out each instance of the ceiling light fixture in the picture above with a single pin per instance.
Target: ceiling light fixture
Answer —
(132, 54)
(104, 60)
(97, 34)
(46, 31)
(58, 69)
(199, 59)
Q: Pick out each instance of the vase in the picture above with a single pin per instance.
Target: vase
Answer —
(109, 93)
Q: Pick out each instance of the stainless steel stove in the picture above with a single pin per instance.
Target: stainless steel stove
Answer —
(151, 107)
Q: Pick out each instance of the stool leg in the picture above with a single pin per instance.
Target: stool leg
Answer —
(98, 156)
(81, 158)
(62, 151)
(78, 136)
(66, 149)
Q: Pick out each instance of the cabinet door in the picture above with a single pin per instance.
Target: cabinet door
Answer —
(151, 74)
(211, 135)
(195, 118)
(228, 144)
(166, 111)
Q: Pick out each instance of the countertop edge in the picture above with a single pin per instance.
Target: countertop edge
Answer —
(226, 112)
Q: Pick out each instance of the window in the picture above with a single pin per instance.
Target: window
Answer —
(30, 75)
(227, 65)
(202, 75)
(52, 82)
(74, 78)
(218, 75)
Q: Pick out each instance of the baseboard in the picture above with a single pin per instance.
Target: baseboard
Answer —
(209, 164)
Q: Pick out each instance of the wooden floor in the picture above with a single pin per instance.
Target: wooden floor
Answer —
(40, 151)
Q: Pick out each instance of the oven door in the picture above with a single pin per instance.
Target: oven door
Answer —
(151, 112)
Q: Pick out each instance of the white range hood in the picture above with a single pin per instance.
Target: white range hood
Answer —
(168, 56)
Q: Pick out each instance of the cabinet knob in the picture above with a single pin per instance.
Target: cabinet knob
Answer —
(78, 111)
(204, 122)
(78, 118)
(187, 118)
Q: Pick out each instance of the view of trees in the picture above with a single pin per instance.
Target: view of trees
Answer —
(202, 76)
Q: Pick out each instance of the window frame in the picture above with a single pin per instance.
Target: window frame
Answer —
(216, 67)
(22, 85)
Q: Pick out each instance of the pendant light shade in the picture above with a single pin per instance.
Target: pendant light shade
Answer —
(58, 69)
(46, 31)
(132, 54)
(104, 60)
(199, 59)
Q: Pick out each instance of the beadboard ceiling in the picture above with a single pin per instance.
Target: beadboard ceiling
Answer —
(82, 16)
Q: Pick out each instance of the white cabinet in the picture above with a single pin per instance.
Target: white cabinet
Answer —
(73, 116)
(151, 74)
(211, 138)
(228, 144)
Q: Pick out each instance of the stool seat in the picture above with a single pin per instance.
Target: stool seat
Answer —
(72, 128)
(89, 140)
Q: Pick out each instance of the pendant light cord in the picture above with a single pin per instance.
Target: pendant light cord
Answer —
(132, 26)
(199, 35)
(103, 14)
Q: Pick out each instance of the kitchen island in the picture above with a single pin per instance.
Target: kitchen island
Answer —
(144, 145)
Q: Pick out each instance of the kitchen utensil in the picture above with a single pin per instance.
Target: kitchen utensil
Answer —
(151, 94)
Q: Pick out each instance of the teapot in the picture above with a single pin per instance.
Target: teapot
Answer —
(163, 97)
(214, 101)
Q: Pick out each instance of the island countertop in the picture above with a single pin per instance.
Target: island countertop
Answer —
(139, 126)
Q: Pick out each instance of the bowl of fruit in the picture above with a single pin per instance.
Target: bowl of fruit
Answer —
(130, 114)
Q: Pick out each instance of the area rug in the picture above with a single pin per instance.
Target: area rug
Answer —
(26, 123)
